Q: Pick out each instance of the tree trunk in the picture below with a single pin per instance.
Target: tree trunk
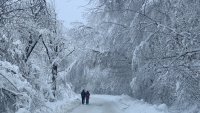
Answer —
(54, 74)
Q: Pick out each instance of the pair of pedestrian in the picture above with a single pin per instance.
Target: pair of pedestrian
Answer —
(85, 96)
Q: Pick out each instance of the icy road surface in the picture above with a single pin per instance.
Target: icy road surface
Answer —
(114, 104)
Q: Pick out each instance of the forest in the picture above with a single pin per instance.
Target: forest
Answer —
(146, 49)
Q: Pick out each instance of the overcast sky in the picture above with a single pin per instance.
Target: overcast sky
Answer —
(70, 11)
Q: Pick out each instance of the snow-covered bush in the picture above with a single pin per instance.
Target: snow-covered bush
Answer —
(15, 90)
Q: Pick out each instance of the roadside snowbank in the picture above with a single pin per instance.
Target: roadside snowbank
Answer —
(60, 106)
(113, 104)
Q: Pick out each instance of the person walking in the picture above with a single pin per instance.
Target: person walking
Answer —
(87, 95)
(83, 94)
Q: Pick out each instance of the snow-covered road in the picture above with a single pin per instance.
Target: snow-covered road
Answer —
(98, 105)
(114, 104)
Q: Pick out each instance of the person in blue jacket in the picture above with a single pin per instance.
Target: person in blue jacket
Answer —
(83, 94)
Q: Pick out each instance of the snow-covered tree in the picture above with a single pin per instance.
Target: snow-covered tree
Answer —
(32, 42)
(156, 41)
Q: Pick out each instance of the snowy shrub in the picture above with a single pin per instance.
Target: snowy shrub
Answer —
(12, 83)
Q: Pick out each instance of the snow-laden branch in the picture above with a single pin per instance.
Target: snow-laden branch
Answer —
(141, 45)
(183, 54)
(58, 62)
(13, 92)
(149, 18)
(124, 26)
(32, 47)
(47, 50)
(10, 82)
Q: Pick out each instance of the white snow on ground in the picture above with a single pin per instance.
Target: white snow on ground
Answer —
(60, 106)
(64, 105)
(112, 104)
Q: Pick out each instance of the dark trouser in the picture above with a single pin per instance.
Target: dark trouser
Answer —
(83, 100)
(87, 100)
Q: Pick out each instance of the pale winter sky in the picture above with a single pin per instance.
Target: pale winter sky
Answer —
(70, 11)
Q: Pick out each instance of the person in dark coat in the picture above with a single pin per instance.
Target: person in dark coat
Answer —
(83, 94)
(87, 95)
